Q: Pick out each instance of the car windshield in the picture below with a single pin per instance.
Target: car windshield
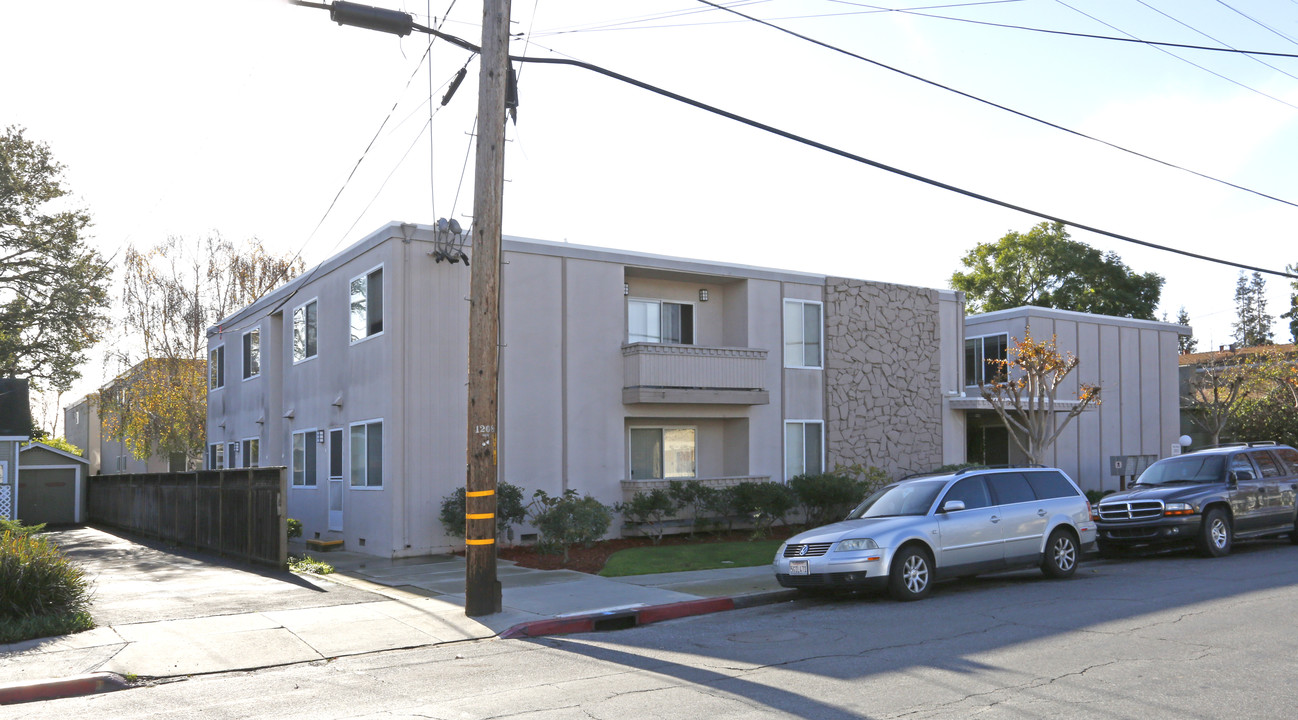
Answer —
(1187, 469)
(911, 498)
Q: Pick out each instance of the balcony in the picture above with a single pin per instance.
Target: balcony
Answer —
(661, 373)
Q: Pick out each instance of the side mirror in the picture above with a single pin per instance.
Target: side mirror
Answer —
(952, 506)
(1238, 476)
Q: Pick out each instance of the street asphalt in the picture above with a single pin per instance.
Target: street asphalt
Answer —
(167, 613)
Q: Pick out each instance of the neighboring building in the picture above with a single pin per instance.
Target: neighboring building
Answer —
(15, 429)
(619, 371)
(84, 427)
(52, 486)
(1133, 361)
(1191, 363)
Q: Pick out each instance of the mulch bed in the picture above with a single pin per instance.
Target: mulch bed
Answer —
(591, 559)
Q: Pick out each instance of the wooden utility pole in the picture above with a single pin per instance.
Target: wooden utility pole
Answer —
(481, 588)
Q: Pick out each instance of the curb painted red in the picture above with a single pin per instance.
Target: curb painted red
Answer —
(639, 616)
(77, 685)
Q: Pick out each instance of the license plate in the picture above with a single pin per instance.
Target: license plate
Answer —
(799, 567)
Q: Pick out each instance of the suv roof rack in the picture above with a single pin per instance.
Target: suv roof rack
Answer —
(972, 468)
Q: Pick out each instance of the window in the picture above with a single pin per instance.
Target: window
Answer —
(251, 452)
(982, 358)
(1050, 485)
(232, 455)
(304, 332)
(304, 458)
(659, 321)
(1010, 488)
(660, 453)
(367, 305)
(1290, 456)
(1267, 464)
(802, 334)
(367, 455)
(336, 453)
(216, 368)
(972, 491)
(803, 449)
(215, 457)
(1240, 464)
(251, 353)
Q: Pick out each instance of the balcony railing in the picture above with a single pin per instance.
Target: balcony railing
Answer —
(661, 373)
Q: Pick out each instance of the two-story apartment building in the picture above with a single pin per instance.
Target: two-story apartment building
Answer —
(618, 371)
(1134, 362)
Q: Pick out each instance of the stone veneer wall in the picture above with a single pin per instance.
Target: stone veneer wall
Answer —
(883, 383)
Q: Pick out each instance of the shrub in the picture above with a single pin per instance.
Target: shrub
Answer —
(308, 564)
(828, 497)
(294, 528)
(567, 519)
(650, 511)
(510, 510)
(18, 528)
(719, 504)
(41, 591)
(698, 498)
(1094, 496)
(766, 503)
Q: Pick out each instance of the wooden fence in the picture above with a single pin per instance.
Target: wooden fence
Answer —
(238, 513)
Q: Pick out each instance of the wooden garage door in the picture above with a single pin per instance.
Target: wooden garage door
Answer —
(47, 496)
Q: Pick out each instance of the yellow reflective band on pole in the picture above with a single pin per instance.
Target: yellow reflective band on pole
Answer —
(480, 516)
(479, 542)
(480, 493)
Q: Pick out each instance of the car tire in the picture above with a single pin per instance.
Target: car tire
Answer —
(911, 576)
(1061, 554)
(1215, 536)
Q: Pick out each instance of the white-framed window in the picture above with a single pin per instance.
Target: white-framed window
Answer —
(304, 331)
(983, 356)
(216, 368)
(367, 454)
(215, 457)
(367, 305)
(803, 334)
(252, 353)
(304, 458)
(659, 321)
(252, 452)
(659, 453)
(232, 455)
(804, 448)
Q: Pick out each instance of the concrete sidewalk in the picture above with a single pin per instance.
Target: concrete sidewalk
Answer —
(170, 614)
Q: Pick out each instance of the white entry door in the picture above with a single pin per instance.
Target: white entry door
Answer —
(336, 479)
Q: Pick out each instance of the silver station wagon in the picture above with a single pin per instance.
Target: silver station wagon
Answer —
(913, 532)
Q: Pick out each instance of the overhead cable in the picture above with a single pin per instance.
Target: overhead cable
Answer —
(852, 156)
(998, 106)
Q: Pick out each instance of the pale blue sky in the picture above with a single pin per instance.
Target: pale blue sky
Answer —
(246, 116)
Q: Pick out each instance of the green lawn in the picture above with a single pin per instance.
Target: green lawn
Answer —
(701, 556)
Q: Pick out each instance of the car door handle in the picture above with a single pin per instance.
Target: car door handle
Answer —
(1041, 513)
(995, 519)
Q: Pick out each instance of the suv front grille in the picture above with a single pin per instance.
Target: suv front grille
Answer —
(807, 550)
(1131, 510)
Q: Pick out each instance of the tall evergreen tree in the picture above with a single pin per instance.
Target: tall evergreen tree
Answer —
(1185, 343)
(1253, 324)
(1292, 315)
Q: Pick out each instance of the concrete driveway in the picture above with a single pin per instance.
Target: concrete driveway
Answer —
(135, 582)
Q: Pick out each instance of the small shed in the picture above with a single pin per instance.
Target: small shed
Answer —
(51, 486)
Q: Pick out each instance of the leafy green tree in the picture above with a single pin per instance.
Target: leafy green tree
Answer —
(53, 286)
(1253, 323)
(1185, 343)
(1047, 269)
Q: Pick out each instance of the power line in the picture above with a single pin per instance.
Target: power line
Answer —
(1257, 22)
(998, 106)
(857, 158)
(1165, 51)
(1197, 30)
(1089, 36)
